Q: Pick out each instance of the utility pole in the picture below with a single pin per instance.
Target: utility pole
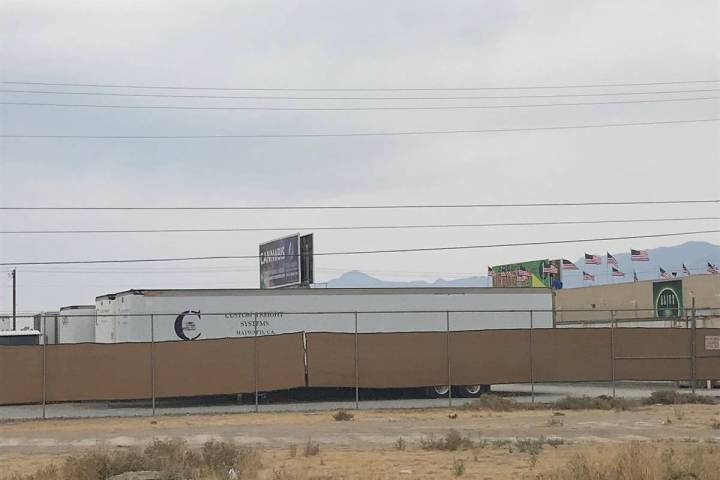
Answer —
(14, 276)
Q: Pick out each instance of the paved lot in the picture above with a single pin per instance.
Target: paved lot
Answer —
(331, 401)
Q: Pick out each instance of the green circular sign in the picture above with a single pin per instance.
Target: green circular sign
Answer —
(667, 303)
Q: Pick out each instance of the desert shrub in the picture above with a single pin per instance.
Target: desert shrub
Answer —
(311, 448)
(400, 444)
(452, 441)
(531, 446)
(494, 403)
(458, 467)
(343, 416)
(173, 458)
(671, 397)
(643, 462)
(602, 402)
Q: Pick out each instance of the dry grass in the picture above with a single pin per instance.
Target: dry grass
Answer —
(602, 402)
(671, 397)
(451, 442)
(343, 416)
(643, 462)
(495, 403)
(176, 461)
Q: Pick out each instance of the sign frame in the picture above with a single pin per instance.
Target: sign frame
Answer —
(296, 238)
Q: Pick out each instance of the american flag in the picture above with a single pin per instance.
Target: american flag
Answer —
(685, 270)
(568, 265)
(639, 255)
(550, 269)
(712, 268)
(611, 260)
(664, 273)
(588, 276)
(592, 259)
(617, 273)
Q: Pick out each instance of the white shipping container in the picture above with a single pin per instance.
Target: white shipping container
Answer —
(76, 324)
(47, 324)
(201, 314)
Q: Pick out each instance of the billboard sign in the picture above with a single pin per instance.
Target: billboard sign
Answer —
(306, 260)
(668, 298)
(532, 274)
(280, 262)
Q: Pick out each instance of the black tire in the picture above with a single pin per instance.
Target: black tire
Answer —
(470, 391)
(438, 391)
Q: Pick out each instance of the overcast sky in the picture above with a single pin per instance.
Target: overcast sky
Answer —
(313, 44)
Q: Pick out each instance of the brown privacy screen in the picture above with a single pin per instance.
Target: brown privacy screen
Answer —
(20, 374)
(227, 366)
(384, 359)
(504, 356)
(237, 365)
(93, 371)
(707, 360)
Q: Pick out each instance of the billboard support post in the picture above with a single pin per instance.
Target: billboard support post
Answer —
(357, 372)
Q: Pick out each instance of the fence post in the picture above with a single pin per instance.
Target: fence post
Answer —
(152, 361)
(255, 366)
(693, 330)
(447, 357)
(612, 350)
(44, 365)
(532, 372)
(357, 371)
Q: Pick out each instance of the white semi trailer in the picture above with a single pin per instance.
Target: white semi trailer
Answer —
(201, 314)
(76, 324)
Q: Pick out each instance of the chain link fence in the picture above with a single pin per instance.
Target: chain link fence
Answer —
(448, 354)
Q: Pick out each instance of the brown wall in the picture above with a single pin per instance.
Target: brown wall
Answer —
(633, 297)
(626, 296)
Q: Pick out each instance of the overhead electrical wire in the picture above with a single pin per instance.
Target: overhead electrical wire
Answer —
(350, 227)
(360, 252)
(357, 134)
(532, 87)
(285, 97)
(344, 108)
(384, 207)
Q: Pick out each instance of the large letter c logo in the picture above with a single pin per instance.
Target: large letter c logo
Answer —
(180, 329)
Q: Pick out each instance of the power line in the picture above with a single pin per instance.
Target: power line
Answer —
(388, 207)
(350, 227)
(286, 97)
(358, 134)
(323, 109)
(175, 87)
(361, 252)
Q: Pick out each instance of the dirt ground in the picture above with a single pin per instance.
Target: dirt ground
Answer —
(365, 447)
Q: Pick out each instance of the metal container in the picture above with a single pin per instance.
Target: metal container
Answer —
(201, 314)
(76, 324)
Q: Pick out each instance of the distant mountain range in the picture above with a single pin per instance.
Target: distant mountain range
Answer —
(694, 255)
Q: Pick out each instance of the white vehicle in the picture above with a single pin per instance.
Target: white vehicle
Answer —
(189, 315)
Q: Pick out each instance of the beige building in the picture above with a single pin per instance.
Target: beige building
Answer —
(642, 300)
